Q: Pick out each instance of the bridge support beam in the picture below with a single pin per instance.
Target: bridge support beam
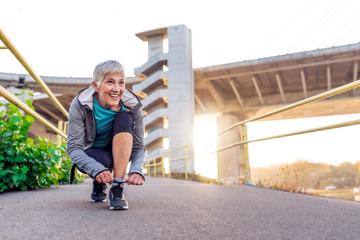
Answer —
(233, 163)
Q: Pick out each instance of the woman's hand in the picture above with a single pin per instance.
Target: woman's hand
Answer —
(135, 179)
(104, 177)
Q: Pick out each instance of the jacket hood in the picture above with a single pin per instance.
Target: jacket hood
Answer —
(129, 99)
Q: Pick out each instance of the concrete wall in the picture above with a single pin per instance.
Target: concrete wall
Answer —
(38, 129)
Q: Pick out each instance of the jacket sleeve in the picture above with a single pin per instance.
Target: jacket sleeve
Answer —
(76, 141)
(138, 152)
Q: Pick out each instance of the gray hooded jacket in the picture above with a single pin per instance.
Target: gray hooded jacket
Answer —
(82, 132)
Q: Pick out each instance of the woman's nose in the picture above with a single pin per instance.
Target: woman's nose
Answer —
(116, 87)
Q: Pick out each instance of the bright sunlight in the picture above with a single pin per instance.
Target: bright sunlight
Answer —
(205, 129)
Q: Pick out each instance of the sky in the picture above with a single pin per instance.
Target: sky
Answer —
(68, 38)
(333, 146)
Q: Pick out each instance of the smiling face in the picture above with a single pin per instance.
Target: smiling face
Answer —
(110, 90)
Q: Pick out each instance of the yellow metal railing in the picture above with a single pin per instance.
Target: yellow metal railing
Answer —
(61, 131)
(327, 127)
(324, 95)
(13, 99)
(63, 127)
(187, 157)
(152, 162)
(24, 63)
(318, 129)
(244, 140)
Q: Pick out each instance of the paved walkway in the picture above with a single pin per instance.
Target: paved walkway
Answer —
(175, 209)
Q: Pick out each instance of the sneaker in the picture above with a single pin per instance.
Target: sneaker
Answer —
(117, 200)
(98, 193)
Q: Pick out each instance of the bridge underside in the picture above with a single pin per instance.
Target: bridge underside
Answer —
(255, 86)
(242, 90)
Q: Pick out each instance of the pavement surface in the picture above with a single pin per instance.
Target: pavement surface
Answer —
(175, 209)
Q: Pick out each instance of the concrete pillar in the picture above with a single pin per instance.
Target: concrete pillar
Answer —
(181, 95)
(232, 163)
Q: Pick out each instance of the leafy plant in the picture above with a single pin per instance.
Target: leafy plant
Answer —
(26, 163)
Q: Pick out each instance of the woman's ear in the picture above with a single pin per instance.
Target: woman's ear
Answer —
(94, 84)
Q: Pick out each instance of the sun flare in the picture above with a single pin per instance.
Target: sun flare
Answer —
(205, 141)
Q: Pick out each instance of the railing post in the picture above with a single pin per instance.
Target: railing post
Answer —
(60, 127)
(244, 155)
(65, 127)
(154, 167)
(169, 157)
(186, 162)
(163, 166)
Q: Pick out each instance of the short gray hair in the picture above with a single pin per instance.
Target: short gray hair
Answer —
(109, 66)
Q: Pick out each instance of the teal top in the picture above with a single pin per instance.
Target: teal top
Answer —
(104, 119)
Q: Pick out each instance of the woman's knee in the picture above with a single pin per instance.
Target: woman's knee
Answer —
(123, 123)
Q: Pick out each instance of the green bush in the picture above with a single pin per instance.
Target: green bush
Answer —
(26, 163)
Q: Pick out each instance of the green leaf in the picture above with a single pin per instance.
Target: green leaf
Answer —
(18, 178)
(28, 102)
(29, 118)
(8, 134)
(10, 151)
(15, 119)
(2, 173)
(24, 169)
(19, 158)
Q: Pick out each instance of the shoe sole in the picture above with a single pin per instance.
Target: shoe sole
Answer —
(118, 208)
(96, 201)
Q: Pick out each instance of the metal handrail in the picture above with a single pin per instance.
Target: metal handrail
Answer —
(37, 78)
(330, 93)
(328, 127)
(153, 164)
(13, 99)
(320, 96)
(326, 94)
(318, 129)
(167, 154)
